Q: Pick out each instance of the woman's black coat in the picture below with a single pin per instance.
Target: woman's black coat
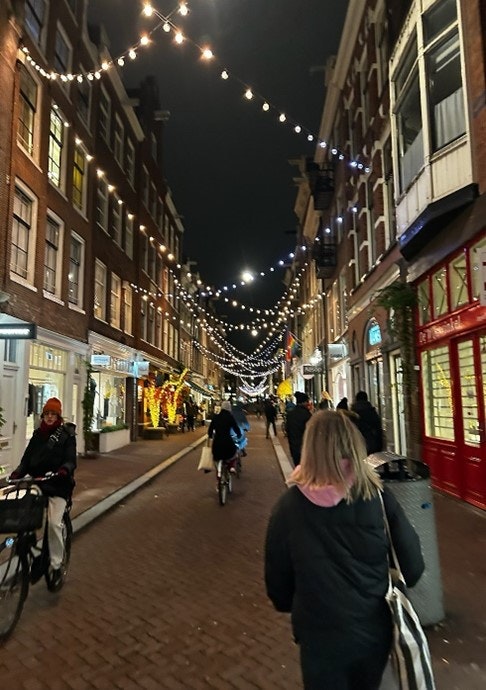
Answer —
(224, 448)
(329, 568)
(48, 454)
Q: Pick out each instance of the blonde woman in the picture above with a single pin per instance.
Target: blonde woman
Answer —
(326, 558)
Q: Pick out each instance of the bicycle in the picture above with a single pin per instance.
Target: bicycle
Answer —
(224, 480)
(23, 508)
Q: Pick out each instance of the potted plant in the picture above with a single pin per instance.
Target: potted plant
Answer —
(87, 403)
(113, 436)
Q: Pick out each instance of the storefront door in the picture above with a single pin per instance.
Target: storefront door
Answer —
(470, 429)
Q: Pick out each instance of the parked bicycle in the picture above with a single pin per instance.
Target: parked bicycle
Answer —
(23, 511)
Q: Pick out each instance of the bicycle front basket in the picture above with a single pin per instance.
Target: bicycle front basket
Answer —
(21, 513)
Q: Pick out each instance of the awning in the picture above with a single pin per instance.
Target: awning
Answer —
(199, 389)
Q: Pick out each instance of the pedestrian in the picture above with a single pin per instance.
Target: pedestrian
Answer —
(295, 424)
(52, 448)
(326, 558)
(270, 412)
(224, 447)
(239, 413)
(342, 404)
(368, 422)
(191, 410)
(325, 402)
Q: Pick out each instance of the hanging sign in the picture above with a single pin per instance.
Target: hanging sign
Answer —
(100, 360)
(18, 331)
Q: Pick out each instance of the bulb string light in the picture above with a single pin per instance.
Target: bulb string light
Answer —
(250, 94)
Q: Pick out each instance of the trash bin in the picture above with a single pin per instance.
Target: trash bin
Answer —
(409, 481)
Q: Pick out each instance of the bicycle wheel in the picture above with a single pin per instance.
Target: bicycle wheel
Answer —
(67, 536)
(14, 587)
(223, 485)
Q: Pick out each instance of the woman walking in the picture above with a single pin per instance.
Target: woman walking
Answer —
(326, 558)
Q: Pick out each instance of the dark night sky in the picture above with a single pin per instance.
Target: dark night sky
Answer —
(226, 161)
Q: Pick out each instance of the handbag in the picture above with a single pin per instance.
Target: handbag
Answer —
(206, 463)
(410, 650)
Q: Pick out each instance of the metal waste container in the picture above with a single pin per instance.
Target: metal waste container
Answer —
(409, 481)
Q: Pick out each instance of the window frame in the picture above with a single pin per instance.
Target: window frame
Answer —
(31, 226)
(100, 287)
(78, 302)
(52, 219)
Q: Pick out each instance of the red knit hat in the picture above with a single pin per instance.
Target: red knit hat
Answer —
(53, 405)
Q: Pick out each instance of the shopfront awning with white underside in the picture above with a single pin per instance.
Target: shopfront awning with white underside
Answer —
(201, 390)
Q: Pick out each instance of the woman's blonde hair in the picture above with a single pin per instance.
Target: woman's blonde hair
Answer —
(330, 437)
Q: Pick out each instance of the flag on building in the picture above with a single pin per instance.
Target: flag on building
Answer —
(291, 346)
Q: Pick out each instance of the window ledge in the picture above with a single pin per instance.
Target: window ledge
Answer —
(52, 298)
(22, 281)
(74, 307)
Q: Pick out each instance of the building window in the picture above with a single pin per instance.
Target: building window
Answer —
(75, 275)
(56, 145)
(439, 292)
(153, 202)
(116, 220)
(143, 319)
(458, 281)
(477, 286)
(62, 53)
(79, 178)
(127, 308)
(102, 204)
(151, 324)
(424, 303)
(119, 138)
(130, 162)
(99, 309)
(115, 302)
(27, 111)
(145, 187)
(35, 14)
(52, 256)
(437, 393)
(152, 260)
(409, 117)
(158, 329)
(128, 237)
(445, 92)
(22, 234)
(84, 99)
(104, 115)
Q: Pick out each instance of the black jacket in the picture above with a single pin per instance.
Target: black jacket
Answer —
(369, 423)
(48, 454)
(224, 448)
(295, 423)
(328, 567)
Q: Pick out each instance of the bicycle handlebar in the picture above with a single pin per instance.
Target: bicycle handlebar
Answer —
(29, 480)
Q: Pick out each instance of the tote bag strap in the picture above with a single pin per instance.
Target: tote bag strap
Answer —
(396, 563)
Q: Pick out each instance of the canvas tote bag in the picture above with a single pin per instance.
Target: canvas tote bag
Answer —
(206, 463)
(410, 650)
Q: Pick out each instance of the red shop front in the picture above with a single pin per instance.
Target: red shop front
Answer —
(451, 345)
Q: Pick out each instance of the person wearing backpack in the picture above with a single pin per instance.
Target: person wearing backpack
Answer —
(52, 448)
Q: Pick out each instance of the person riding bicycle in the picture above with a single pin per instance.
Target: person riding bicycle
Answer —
(239, 413)
(52, 448)
(224, 448)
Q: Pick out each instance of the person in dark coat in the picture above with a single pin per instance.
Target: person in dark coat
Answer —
(52, 448)
(326, 558)
(224, 448)
(270, 412)
(369, 422)
(295, 425)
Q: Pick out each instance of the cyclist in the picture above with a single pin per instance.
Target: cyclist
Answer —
(52, 448)
(224, 448)
(239, 413)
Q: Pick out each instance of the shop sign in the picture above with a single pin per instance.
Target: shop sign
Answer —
(140, 369)
(374, 335)
(309, 370)
(100, 360)
(18, 331)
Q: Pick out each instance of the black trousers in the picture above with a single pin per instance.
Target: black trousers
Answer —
(319, 672)
(272, 423)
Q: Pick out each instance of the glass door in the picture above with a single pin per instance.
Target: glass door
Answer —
(471, 437)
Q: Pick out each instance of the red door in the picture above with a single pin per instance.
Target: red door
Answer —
(470, 429)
